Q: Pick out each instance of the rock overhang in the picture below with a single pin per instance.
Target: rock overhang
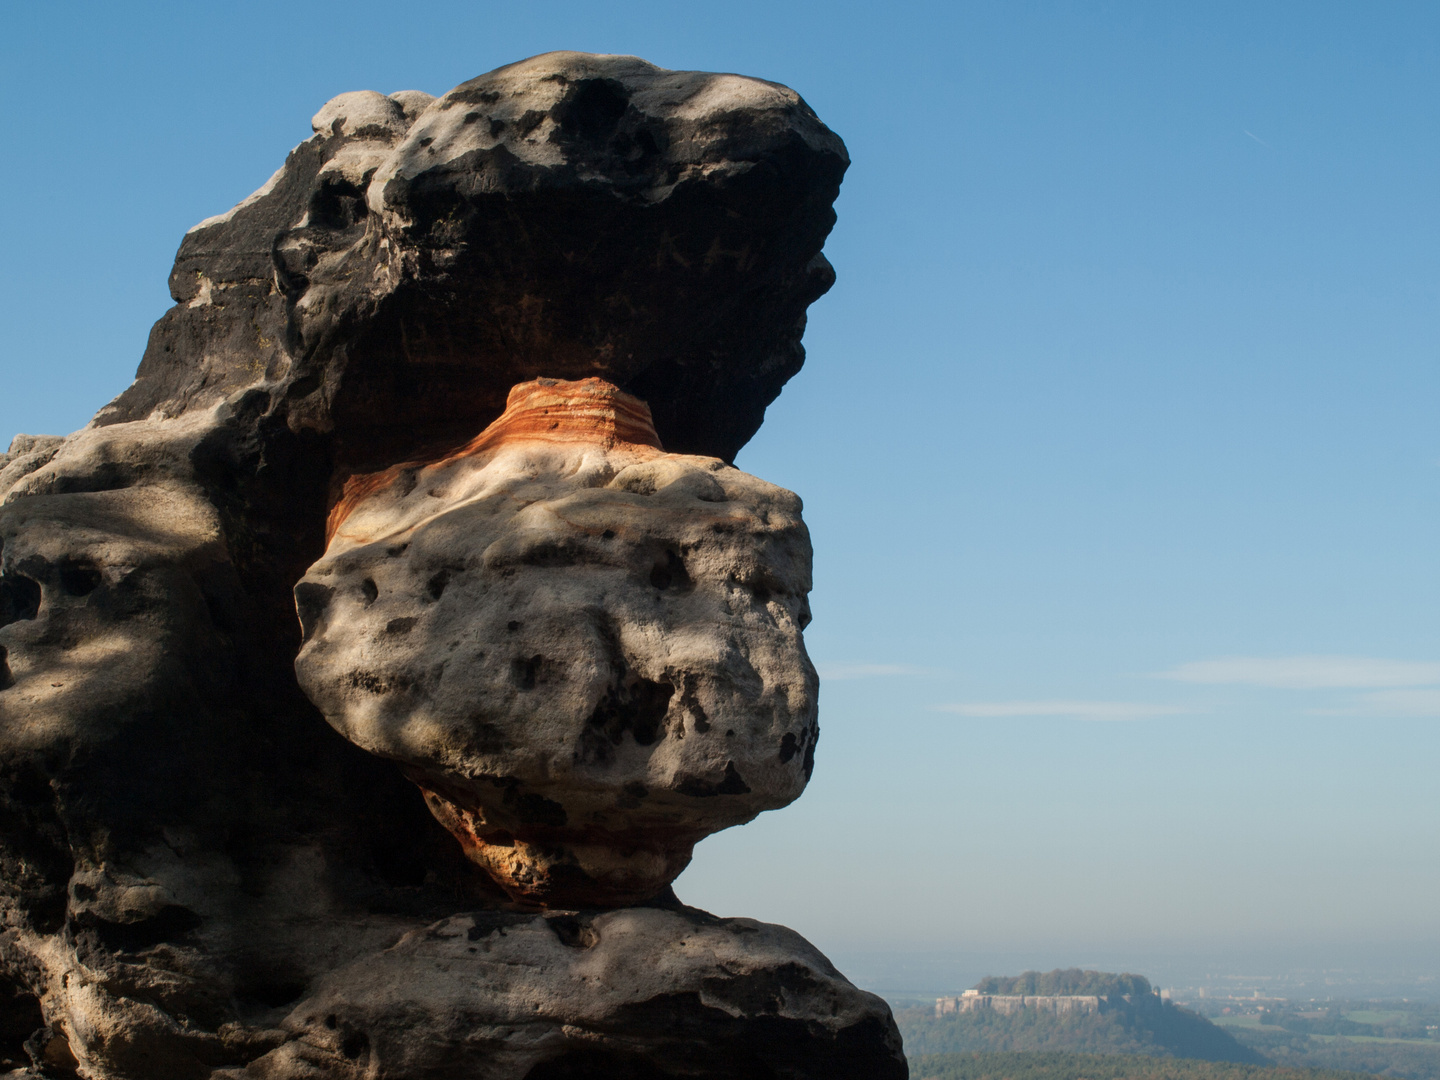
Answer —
(568, 216)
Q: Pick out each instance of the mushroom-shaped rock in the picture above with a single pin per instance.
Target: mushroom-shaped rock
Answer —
(585, 650)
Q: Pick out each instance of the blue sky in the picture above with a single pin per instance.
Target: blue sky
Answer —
(1117, 438)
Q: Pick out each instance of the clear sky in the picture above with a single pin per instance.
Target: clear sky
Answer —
(1117, 437)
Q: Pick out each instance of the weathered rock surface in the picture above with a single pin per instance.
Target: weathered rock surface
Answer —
(638, 993)
(587, 651)
(567, 216)
(188, 852)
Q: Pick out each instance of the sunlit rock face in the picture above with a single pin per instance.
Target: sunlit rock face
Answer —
(585, 650)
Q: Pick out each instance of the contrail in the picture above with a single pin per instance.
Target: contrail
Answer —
(1257, 138)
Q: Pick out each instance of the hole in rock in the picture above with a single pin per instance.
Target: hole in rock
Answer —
(20, 1018)
(592, 110)
(789, 746)
(401, 625)
(7, 680)
(79, 578)
(303, 386)
(690, 702)
(638, 707)
(311, 602)
(435, 587)
(19, 598)
(354, 1044)
(669, 573)
(524, 673)
(572, 932)
(369, 590)
(533, 809)
(170, 923)
(729, 784)
(272, 995)
(338, 204)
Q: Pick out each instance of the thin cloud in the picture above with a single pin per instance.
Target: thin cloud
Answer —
(1083, 710)
(1307, 672)
(835, 672)
(1391, 703)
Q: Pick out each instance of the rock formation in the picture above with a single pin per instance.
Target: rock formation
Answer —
(586, 651)
(198, 876)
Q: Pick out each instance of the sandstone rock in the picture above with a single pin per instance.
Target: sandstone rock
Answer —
(188, 851)
(184, 845)
(635, 993)
(587, 651)
(567, 216)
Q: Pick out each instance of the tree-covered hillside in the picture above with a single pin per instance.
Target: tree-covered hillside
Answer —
(1142, 1025)
(1065, 981)
(1094, 1067)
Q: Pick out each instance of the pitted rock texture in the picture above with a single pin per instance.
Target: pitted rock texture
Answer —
(587, 651)
(187, 849)
(638, 993)
(567, 216)
(184, 845)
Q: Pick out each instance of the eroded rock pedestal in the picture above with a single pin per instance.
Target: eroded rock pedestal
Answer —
(199, 877)
(585, 650)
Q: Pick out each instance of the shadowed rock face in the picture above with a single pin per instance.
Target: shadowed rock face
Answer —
(586, 650)
(567, 216)
(635, 994)
(188, 852)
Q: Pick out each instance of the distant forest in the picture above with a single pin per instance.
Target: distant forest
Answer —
(1065, 981)
(1055, 1066)
(1408, 1060)
(1398, 1039)
(1150, 1028)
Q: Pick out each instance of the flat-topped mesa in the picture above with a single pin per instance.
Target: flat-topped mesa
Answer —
(585, 650)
